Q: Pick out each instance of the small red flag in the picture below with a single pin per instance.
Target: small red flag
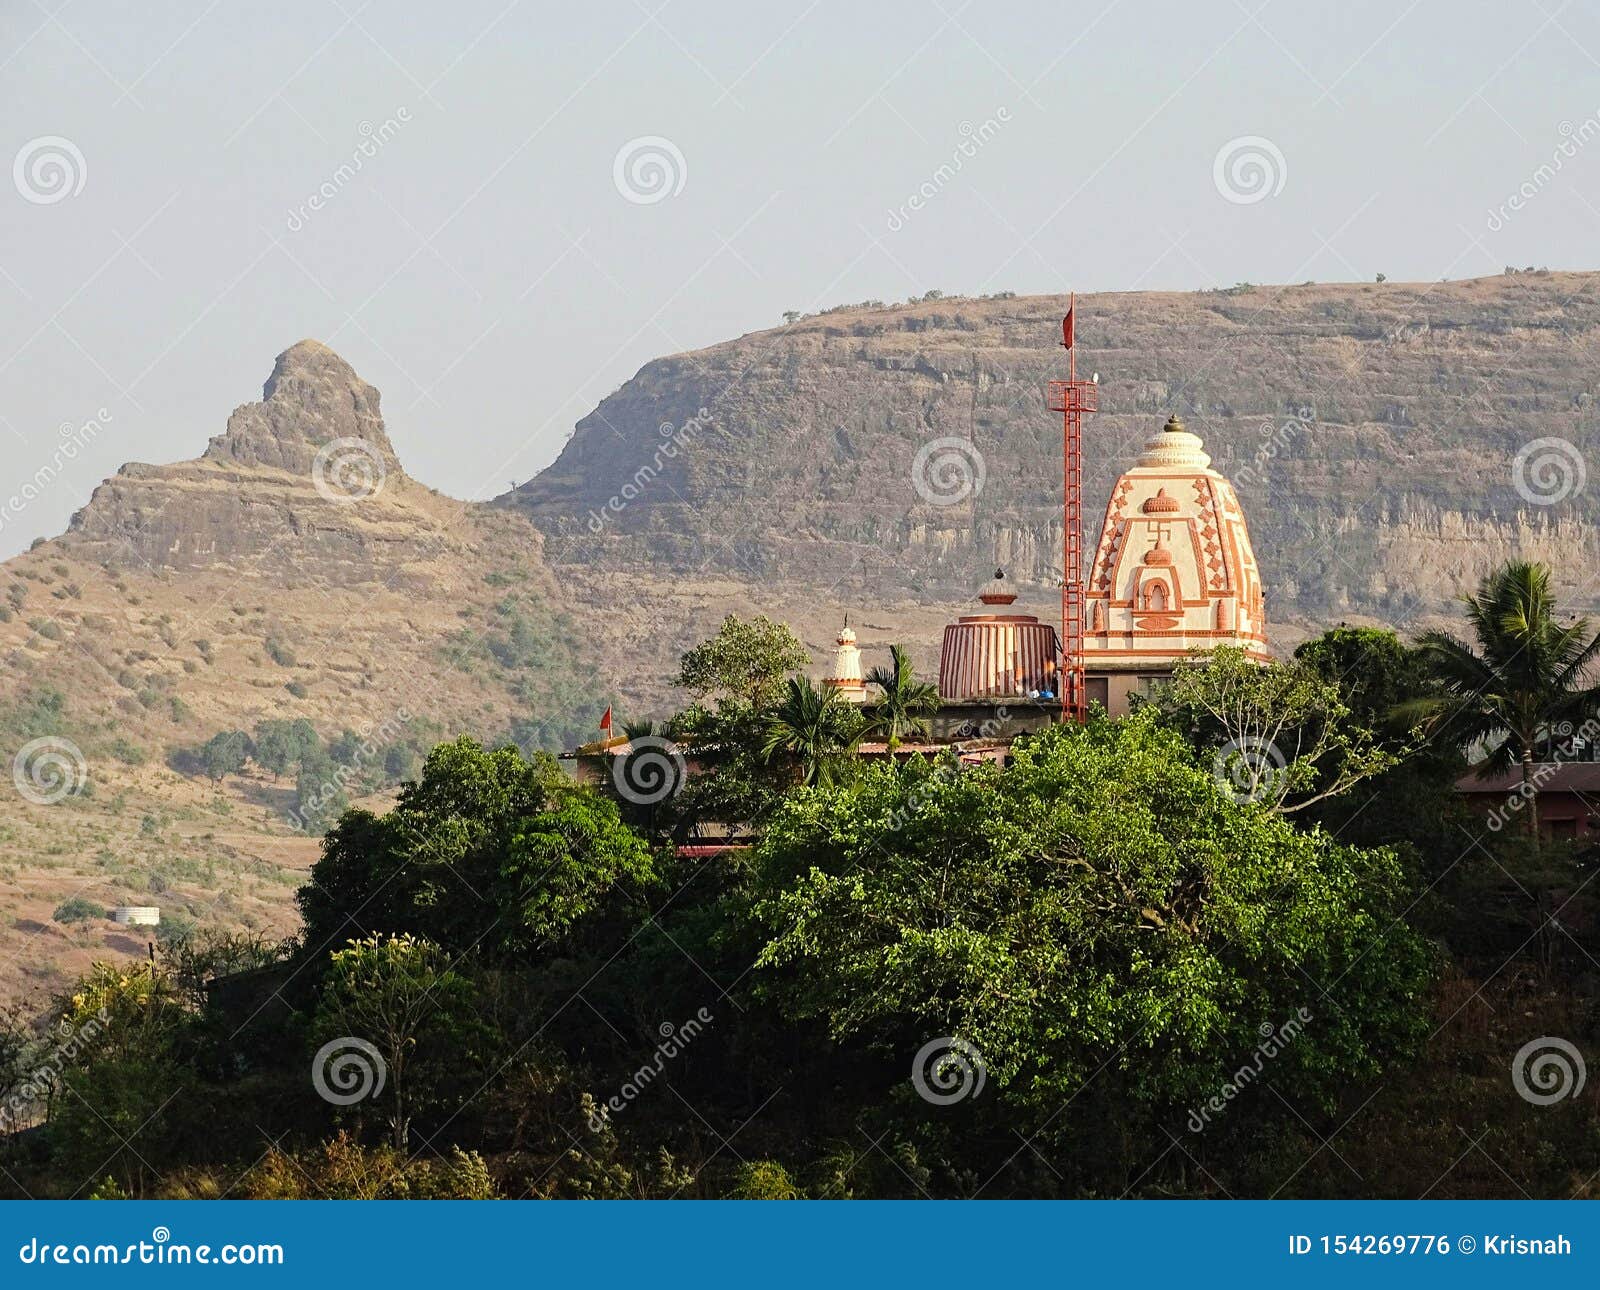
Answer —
(1066, 328)
(605, 721)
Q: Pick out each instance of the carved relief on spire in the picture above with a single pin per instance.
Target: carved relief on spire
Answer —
(1173, 568)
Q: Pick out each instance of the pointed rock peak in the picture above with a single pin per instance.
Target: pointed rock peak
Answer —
(312, 398)
(309, 360)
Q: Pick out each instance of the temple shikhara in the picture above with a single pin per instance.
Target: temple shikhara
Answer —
(1172, 571)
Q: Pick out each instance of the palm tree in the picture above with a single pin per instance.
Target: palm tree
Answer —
(1525, 681)
(907, 703)
(816, 727)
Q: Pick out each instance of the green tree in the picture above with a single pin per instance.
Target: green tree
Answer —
(1279, 733)
(1527, 678)
(319, 790)
(280, 746)
(1414, 802)
(399, 762)
(905, 702)
(402, 995)
(486, 849)
(745, 662)
(225, 753)
(119, 1088)
(1100, 904)
(815, 728)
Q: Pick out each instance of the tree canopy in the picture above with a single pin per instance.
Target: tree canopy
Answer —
(1102, 900)
(745, 662)
(486, 849)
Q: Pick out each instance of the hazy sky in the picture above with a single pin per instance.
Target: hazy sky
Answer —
(492, 269)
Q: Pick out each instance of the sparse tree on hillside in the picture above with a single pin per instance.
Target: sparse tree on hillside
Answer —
(225, 753)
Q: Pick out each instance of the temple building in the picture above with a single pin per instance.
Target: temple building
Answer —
(845, 676)
(1173, 571)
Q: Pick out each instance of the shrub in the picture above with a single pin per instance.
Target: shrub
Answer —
(77, 909)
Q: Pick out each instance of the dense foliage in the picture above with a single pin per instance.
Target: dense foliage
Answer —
(1102, 969)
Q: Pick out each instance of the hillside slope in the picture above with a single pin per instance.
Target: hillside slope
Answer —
(294, 569)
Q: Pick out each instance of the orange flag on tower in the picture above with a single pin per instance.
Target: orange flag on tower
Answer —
(1066, 328)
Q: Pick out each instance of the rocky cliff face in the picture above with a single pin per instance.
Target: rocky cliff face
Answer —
(1372, 432)
(309, 471)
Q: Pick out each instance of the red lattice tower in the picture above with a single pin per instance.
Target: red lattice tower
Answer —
(1073, 399)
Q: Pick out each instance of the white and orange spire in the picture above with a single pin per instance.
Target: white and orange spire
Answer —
(845, 676)
(1174, 568)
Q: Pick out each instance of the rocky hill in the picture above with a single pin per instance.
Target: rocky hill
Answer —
(1389, 443)
(1371, 430)
(292, 571)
